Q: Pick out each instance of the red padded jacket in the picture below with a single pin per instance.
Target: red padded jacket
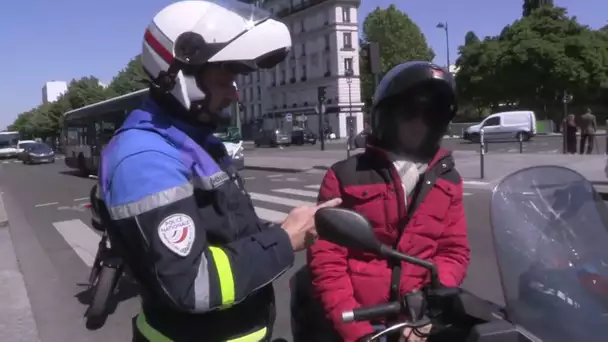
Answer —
(368, 183)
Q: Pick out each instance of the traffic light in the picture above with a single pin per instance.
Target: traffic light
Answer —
(321, 96)
(370, 53)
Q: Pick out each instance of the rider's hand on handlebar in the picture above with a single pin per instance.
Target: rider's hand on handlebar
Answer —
(300, 224)
(409, 335)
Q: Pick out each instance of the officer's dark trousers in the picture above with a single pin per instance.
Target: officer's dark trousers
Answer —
(586, 139)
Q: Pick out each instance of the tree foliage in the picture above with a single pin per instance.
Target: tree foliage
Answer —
(129, 79)
(471, 38)
(390, 28)
(45, 120)
(531, 5)
(533, 61)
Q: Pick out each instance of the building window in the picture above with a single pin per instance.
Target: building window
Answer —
(327, 67)
(326, 37)
(252, 112)
(260, 110)
(259, 93)
(348, 66)
(302, 27)
(347, 40)
(283, 76)
(293, 72)
(250, 78)
(346, 14)
(257, 76)
(303, 49)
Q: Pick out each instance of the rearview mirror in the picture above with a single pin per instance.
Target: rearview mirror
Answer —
(346, 228)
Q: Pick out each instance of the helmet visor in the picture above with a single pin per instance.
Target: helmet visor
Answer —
(223, 22)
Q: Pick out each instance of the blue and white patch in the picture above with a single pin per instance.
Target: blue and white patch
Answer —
(177, 233)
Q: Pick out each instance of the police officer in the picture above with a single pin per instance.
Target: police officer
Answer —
(176, 207)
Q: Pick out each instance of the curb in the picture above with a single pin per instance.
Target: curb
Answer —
(16, 318)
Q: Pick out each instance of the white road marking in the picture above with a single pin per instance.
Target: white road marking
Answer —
(472, 182)
(81, 199)
(279, 200)
(274, 176)
(93, 177)
(293, 179)
(467, 194)
(80, 237)
(249, 178)
(298, 192)
(45, 204)
(313, 186)
(270, 215)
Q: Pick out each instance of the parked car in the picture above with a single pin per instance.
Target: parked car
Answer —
(36, 153)
(273, 138)
(513, 125)
(301, 136)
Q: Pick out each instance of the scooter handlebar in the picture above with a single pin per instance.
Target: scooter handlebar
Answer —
(371, 313)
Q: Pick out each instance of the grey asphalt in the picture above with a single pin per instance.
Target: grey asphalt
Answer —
(38, 195)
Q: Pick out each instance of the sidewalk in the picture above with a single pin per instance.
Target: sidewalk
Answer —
(497, 165)
(16, 319)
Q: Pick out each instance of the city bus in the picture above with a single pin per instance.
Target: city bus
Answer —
(8, 144)
(87, 130)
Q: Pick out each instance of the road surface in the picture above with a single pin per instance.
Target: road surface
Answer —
(55, 244)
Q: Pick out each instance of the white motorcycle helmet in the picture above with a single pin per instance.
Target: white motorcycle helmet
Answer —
(187, 35)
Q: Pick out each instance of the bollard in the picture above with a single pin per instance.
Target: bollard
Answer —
(520, 138)
(482, 152)
(348, 147)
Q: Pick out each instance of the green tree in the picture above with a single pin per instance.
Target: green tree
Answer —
(531, 5)
(399, 38)
(85, 91)
(130, 79)
(471, 38)
(533, 61)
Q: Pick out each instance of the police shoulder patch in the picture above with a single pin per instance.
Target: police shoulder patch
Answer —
(177, 233)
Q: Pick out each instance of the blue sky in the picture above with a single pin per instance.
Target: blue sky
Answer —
(60, 40)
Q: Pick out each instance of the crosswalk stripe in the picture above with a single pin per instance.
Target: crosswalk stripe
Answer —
(279, 200)
(270, 215)
(80, 237)
(297, 192)
(467, 194)
(313, 186)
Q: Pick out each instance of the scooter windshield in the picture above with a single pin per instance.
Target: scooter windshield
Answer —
(550, 232)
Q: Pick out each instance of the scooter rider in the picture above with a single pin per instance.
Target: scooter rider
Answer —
(176, 207)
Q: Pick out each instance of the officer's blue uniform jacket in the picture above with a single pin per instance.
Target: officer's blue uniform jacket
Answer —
(188, 232)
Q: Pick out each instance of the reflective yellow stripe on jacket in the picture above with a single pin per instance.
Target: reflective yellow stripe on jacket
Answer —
(153, 335)
(224, 272)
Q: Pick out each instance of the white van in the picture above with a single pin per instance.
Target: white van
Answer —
(504, 126)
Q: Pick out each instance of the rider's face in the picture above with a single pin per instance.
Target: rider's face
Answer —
(412, 132)
(219, 83)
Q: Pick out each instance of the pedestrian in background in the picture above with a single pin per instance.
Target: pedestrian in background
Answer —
(588, 126)
(570, 129)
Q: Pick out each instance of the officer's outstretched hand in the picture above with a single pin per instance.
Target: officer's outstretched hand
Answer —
(300, 224)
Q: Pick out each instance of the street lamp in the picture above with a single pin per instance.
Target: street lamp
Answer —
(349, 81)
(444, 26)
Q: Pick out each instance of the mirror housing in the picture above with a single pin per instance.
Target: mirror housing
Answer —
(347, 228)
